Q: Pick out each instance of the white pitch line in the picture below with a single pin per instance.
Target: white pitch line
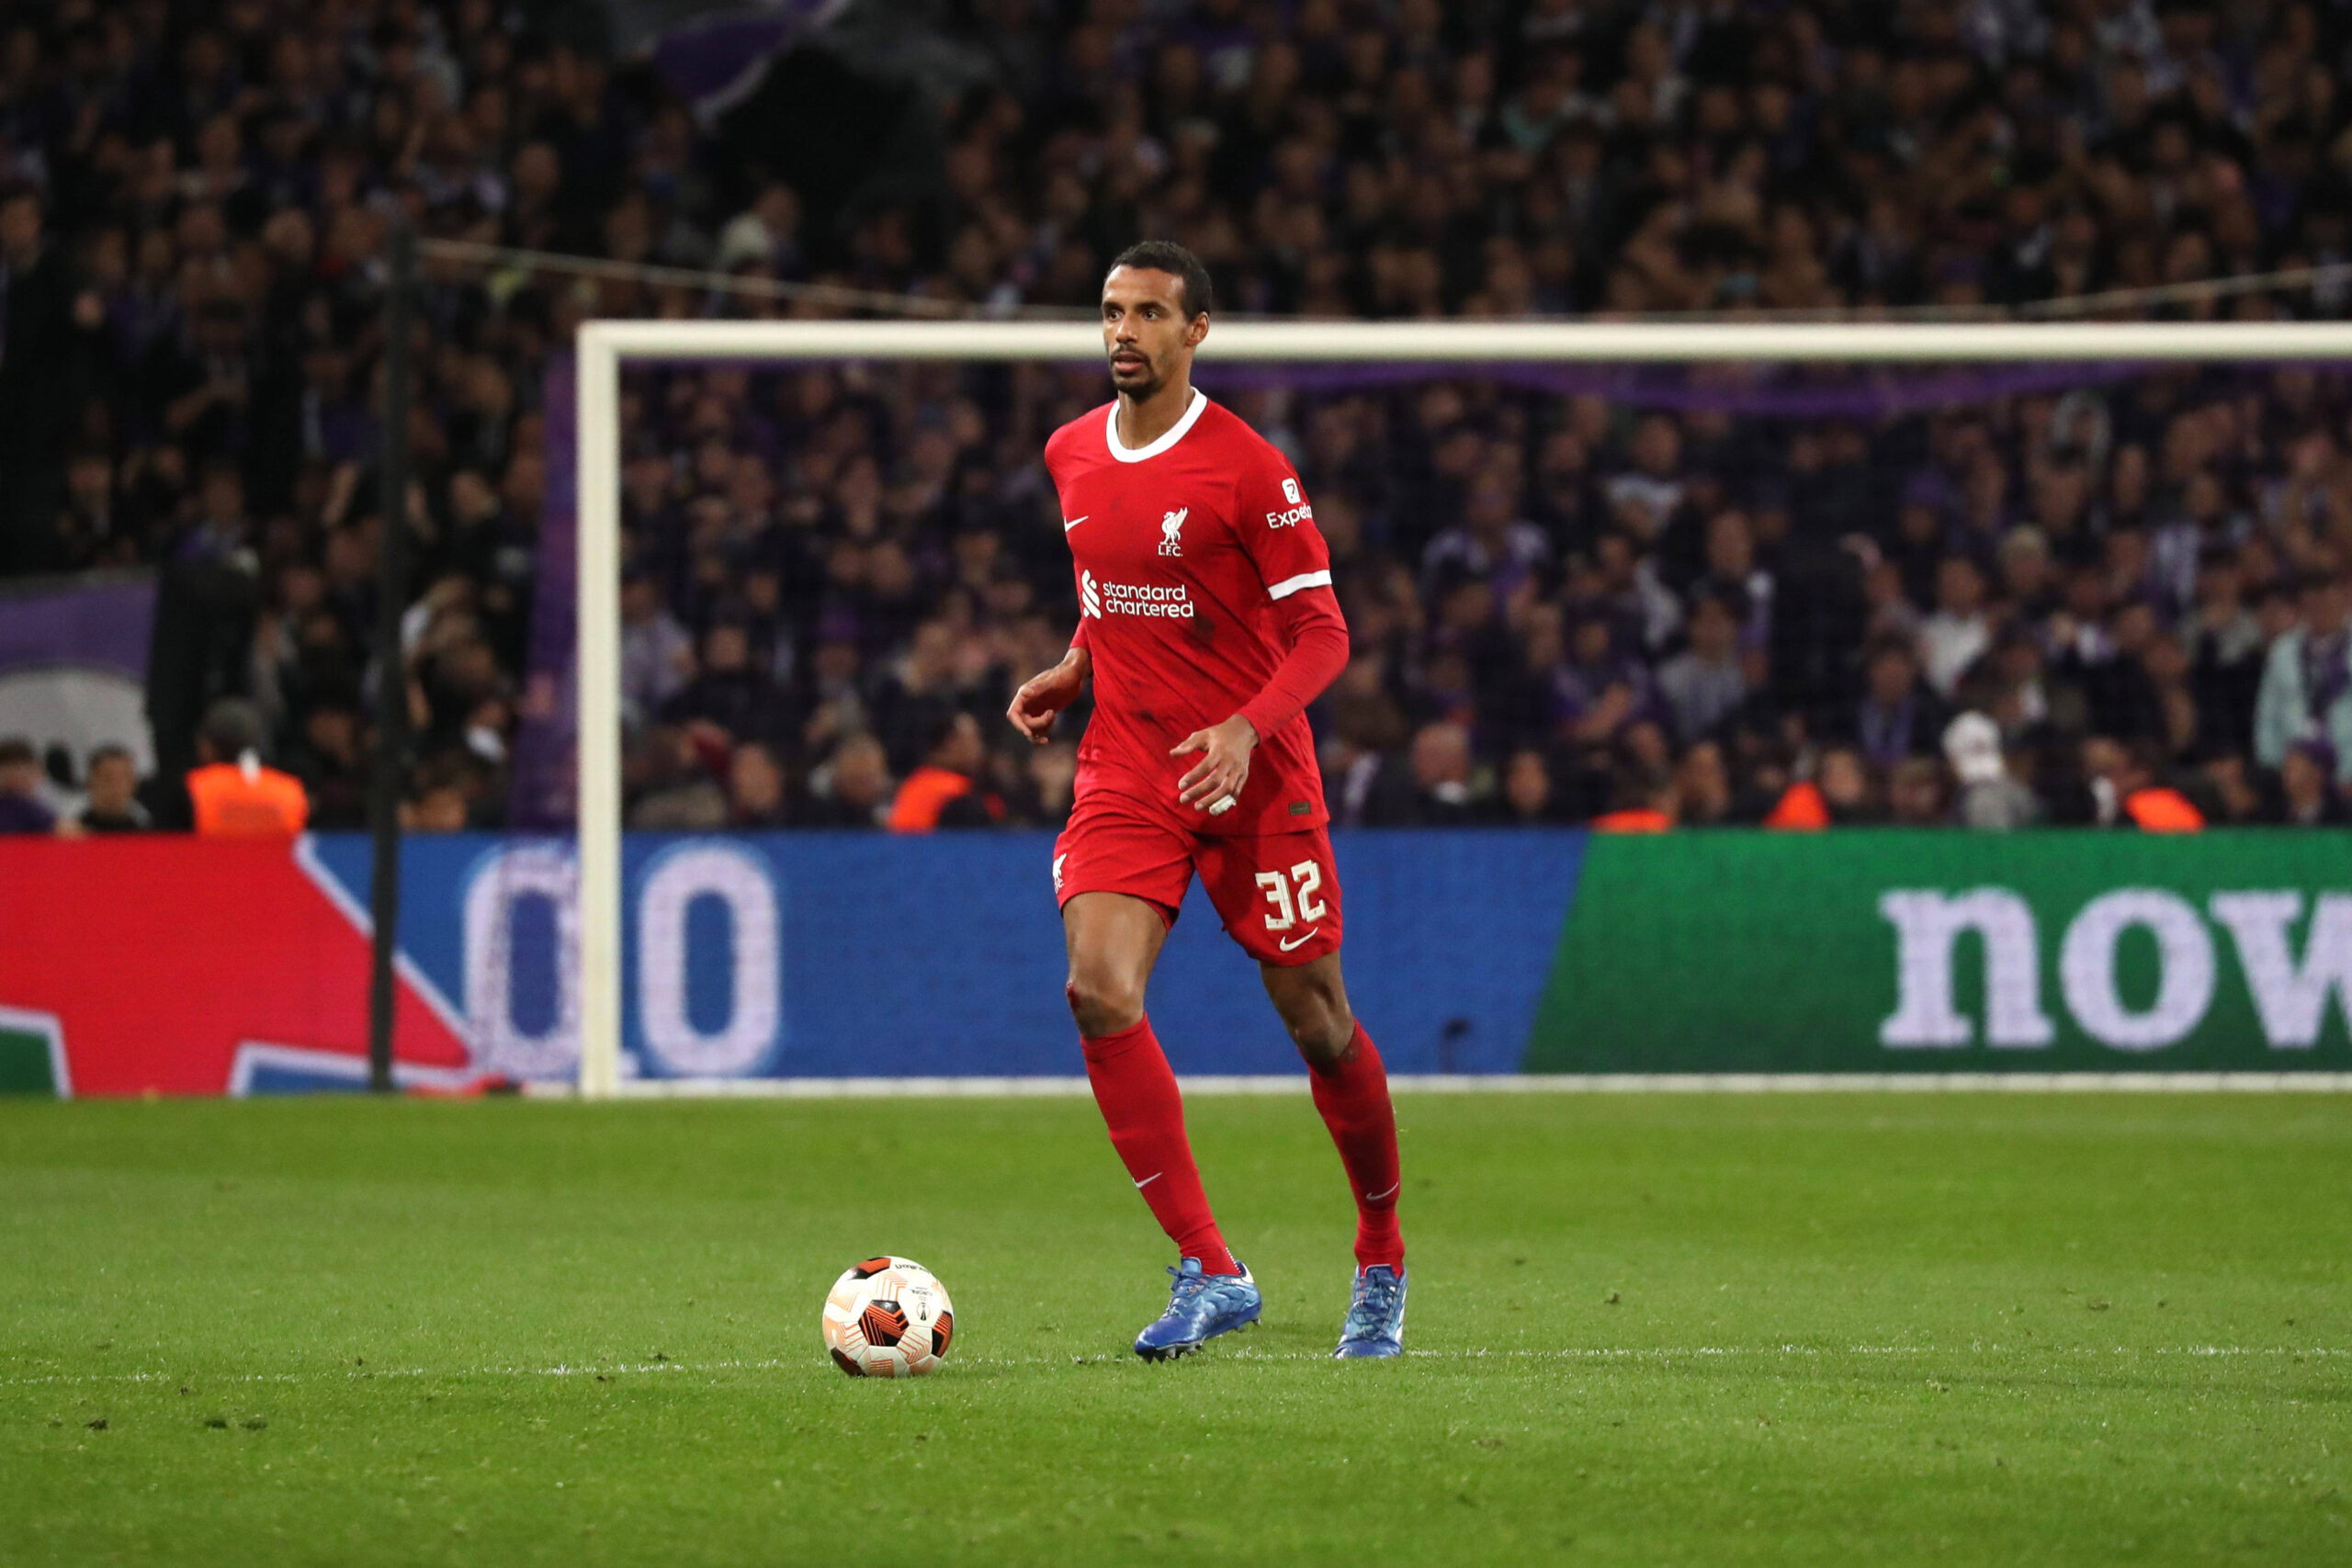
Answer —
(1492, 1083)
(1239, 1352)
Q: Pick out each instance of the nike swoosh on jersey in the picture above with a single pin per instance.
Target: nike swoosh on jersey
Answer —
(1300, 940)
(1072, 523)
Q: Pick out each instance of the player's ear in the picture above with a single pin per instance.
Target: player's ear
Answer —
(1196, 329)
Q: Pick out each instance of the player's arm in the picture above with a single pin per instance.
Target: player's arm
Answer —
(1294, 565)
(1318, 652)
(1043, 695)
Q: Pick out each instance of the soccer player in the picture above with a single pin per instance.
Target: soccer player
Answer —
(1207, 624)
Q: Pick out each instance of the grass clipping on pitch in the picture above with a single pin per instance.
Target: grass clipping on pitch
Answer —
(1702, 1329)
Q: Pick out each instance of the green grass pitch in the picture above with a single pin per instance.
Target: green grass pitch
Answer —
(1840, 1328)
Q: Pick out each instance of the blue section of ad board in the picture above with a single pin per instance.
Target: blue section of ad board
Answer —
(843, 954)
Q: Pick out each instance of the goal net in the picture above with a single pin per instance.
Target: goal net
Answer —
(1804, 410)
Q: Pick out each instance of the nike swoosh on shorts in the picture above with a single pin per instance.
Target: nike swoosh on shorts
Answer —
(1301, 939)
(1074, 522)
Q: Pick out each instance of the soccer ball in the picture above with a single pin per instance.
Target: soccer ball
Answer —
(888, 1317)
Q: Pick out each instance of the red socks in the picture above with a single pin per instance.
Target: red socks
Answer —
(1353, 1095)
(1137, 1091)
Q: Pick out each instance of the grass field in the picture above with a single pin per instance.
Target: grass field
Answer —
(1681, 1329)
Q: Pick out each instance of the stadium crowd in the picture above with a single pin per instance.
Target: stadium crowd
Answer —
(2125, 600)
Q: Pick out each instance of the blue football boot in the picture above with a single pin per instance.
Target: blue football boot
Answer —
(1200, 1307)
(1375, 1325)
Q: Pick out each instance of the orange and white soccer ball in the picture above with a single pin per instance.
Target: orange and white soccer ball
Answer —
(888, 1317)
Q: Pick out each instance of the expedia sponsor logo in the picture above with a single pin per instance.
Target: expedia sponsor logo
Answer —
(1291, 518)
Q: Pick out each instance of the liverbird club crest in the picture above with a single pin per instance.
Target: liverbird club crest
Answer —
(1171, 527)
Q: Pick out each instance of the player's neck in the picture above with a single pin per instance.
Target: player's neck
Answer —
(1143, 421)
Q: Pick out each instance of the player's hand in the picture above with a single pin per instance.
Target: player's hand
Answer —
(1041, 697)
(1224, 766)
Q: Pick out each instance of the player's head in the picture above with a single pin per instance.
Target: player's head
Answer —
(1156, 302)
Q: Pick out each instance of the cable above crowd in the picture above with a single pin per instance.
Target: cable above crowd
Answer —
(1649, 602)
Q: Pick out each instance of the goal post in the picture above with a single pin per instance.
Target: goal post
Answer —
(604, 349)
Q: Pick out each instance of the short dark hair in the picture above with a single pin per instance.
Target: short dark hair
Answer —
(1197, 295)
(231, 725)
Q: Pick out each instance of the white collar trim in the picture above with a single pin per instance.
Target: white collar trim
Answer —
(1175, 432)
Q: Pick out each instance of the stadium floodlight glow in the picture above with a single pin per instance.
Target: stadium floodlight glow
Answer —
(604, 347)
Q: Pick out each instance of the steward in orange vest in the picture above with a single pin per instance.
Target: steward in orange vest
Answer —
(1801, 808)
(1643, 802)
(942, 792)
(2161, 809)
(2151, 806)
(232, 794)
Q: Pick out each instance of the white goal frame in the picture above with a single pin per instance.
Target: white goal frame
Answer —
(603, 348)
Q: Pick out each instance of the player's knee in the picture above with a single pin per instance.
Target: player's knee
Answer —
(1322, 1028)
(1103, 1004)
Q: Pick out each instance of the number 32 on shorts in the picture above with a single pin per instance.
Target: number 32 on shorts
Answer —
(1293, 897)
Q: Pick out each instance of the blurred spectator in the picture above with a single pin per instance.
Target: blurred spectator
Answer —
(1916, 795)
(1644, 802)
(1703, 787)
(232, 794)
(1846, 789)
(1988, 797)
(1489, 545)
(729, 695)
(656, 653)
(1958, 631)
(22, 810)
(435, 803)
(756, 797)
(2126, 785)
(2307, 683)
(1436, 791)
(673, 775)
(208, 598)
(1703, 685)
(1052, 779)
(943, 791)
(1897, 718)
(1528, 796)
(2307, 793)
(854, 788)
(112, 806)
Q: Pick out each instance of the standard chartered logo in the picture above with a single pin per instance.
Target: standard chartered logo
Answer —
(1163, 600)
(2290, 990)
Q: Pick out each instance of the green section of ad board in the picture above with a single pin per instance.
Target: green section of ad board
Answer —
(1894, 951)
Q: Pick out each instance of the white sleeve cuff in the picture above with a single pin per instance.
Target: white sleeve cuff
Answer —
(1290, 585)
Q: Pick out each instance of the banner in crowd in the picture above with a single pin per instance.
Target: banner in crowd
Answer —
(73, 663)
(179, 966)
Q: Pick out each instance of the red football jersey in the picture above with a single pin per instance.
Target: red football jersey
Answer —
(1183, 550)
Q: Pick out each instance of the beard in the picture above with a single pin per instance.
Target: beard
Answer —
(1140, 383)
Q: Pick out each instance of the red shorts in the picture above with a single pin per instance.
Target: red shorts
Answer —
(1278, 893)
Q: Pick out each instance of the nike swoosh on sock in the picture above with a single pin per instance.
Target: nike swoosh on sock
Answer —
(1156, 1174)
(1376, 1197)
